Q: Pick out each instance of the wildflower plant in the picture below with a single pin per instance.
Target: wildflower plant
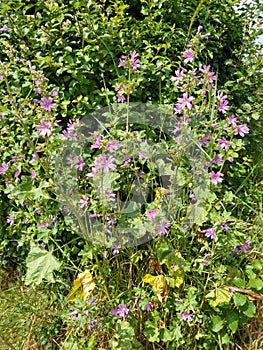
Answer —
(133, 189)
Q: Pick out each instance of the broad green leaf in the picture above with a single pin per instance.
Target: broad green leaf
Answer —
(232, 320)
(40, 265)
(239, 282)
(239, 299)
(256, 283)
(151, 332)
(196, 213)
(248, 309)
(217, 323)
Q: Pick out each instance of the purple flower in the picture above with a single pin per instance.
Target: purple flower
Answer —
(79, 163)
(122, 61)
(33, 174)
(245, 246)
(74, 315)
(17, 173)
(232, 120)
(33, 159)
(192, 196)
(205, 36)
(223, 103)
(45, 127)
(102, 163)
(210, 233)
(121, 98)
(241, 130)
(161, 229)
(84, 201)
(184, 102)
(1, 77)
(199, 29)
(179, 76)
(122, 311)
(47, 103)
(185, 316)
(10, 220)
(224, 228)
(205, 140)
(151, 213)
(4, 28)
(116, 249)
(188, 55)
(134, 62)
(148, 307)
(54, 93)
(216, 177)
(120, 91)
(223, 144)
(235, 250)
(97, 140)
(217, 159)
(112, 146)
(4, 168)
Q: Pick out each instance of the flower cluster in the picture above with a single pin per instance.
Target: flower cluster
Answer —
(122, 311)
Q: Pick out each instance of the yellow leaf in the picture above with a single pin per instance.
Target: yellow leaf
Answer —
(218, 296)
(83, 286)
(160, 287)
(177, 273)
(149, 278)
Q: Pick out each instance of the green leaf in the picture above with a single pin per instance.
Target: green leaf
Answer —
(196, 213)
(151, 332)
(249, 309)
(239, 299)
(232, 320)
(239, 282)
(40, 265)
(217, 323)
(256, 283)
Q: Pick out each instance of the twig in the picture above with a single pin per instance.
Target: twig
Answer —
(247, 291)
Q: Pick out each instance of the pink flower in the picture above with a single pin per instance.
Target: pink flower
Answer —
(223, 103)
(47, 103)
(223, 144)
(122, 61)
(232, 120)
(210, 233)
(184, 102)
(10, 220)
(185, 316)
(216, 177)
(45, 127)
(161, 229)
(84, 201)
(4, 168)
(241, 130)
(134, 62)
(188, 55)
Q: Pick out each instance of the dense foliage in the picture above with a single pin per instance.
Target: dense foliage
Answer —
(186, 77)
